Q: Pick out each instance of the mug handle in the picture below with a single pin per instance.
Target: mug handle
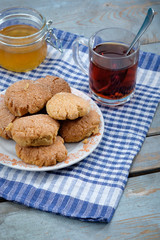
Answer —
(76, 56)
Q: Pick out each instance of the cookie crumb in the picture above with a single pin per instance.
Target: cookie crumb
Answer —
(96, 131)
(85, 141)
(26, 86)
(8, 128)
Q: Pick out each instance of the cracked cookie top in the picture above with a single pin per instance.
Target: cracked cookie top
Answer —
(64, 106)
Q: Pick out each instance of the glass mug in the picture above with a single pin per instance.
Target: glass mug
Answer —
(24, 34)
(112, 74)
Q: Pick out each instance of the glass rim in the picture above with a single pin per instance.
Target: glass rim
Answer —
(115, 58)
(39, 32)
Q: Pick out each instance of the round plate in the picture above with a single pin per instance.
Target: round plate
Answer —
(76, 151)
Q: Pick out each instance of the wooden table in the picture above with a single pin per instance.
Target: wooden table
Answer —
(138, 214)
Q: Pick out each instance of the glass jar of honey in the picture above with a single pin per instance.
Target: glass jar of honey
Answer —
(24, 35)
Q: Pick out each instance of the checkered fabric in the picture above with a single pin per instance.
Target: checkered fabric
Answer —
(91, 189)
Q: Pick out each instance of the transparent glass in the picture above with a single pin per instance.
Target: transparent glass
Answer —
(112, 74)
(23, 37)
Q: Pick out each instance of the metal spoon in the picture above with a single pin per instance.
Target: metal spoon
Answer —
(147, 21)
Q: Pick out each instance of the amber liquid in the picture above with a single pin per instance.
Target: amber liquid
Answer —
(21, 58)
(113, 83)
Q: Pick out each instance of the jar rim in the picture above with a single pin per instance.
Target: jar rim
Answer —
(39, 32)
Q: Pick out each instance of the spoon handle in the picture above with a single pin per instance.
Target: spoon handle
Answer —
(147, 21)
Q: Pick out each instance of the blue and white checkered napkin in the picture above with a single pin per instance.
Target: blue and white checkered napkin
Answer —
(91, 189)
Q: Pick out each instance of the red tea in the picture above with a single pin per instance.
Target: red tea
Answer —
(112, 76)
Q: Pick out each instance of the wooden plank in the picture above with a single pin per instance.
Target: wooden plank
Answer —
(86, 17)
(155, 126)
(148, 159)
(154, 48)
(137, 217)
(138, 214)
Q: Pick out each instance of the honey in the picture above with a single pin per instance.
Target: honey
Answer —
(22, 49)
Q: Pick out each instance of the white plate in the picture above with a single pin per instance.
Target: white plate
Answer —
(76, 151)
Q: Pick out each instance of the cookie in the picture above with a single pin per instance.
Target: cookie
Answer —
(26, 96)
(44, 155)
(81, 128)
(34, 130)
(55, 84)
(6, 117)
(67, 106)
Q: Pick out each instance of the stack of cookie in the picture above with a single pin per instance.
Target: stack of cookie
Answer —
(41, 115)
